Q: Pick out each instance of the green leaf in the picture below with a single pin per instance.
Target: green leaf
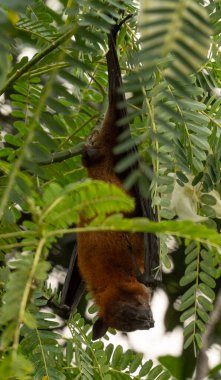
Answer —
(183, 178)
(209, 269)
(86, 199)
(108, 351)
(155, 372)
(136, 362)
(188, 278)
(202, 144)
(117, 357)
(69, 352)
(191, 256)
(107, 377)
(146, 368)
(29, 320)
(198, 340)
(189, 329)
(205, 289)
(203, 315)
(191, 267)
(207, 305)
(188, 293)
(207, 280)
(200, 325)
(188, 341)
(173, 364)
(164, 376)
(187, 303)
(207, 257)
(197, 179)
(187, 314)
(208, 199)
(208, 211)
(126, 360)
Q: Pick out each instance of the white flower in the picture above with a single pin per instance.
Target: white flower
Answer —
(184, 202)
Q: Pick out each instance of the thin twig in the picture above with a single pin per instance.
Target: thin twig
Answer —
(63, 155)
(212, 119)
(202, 367)
(125, 19)
(96, 116)
(52, 46)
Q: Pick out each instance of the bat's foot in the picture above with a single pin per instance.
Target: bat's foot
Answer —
(62, 310)
(148, 281)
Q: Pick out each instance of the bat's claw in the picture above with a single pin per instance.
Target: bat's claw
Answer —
(148, 281)
(62, 310)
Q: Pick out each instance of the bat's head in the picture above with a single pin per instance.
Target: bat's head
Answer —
(127, 310)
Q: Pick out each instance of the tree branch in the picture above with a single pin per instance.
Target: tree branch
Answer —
(202, 367)
(37, 57)
(63, 155)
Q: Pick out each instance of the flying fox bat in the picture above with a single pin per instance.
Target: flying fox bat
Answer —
(116, 267)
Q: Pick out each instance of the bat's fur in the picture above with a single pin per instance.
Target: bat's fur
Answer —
(107, 259)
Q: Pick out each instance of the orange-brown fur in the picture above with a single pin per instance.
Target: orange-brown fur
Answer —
(107, 259)
(107, 267)
(104, 258)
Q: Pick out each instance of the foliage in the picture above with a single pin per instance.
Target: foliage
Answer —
(107, 362)
(50, 102)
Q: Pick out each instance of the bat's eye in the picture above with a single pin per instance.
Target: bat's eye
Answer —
(90, 156)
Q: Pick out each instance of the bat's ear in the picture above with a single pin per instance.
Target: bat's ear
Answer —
(99, 329)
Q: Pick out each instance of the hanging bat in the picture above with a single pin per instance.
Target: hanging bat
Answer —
(116, 267)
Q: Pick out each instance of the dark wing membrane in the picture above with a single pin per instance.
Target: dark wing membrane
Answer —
(74, 286)
(152, 273)
(116, 96)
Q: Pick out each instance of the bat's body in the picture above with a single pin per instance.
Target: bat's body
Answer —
(116, 265)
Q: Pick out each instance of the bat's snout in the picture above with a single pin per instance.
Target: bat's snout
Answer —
(144, 317)
(150, 320)
(131, 318)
